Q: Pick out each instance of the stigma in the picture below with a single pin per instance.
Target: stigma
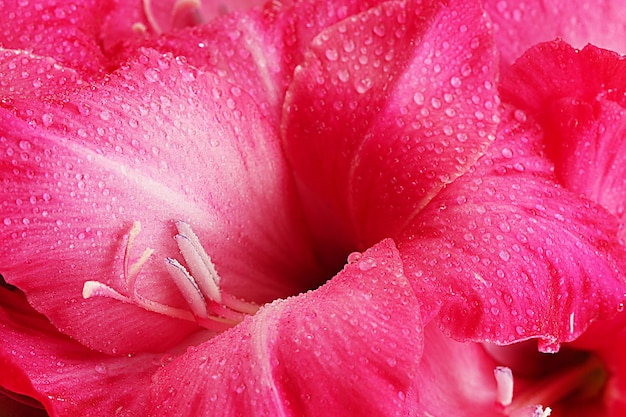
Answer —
(583, 379)
(199, 284)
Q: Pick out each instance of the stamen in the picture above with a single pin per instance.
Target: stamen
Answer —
(198, 261)
(550, 390)
(188, 287)
(209, 305)
(98, 289)
(504, 383)
(147, 9)
(131, 273)
(187, 13)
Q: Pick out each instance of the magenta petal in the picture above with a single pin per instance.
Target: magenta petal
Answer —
(351, 346)
(583, 113)
(520, 25)
(455, 379)
(401, 120)
(156, 142)
(65, 30)
(510, 254)
(38, 76)
(67, 378)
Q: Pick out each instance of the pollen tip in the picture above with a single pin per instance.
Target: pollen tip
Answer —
(98, 289)
(139, 28)
(90, 288)
(504, 383)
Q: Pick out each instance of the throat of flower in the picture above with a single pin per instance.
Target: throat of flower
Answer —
(584, 380)
(184, 13)
(208, 304)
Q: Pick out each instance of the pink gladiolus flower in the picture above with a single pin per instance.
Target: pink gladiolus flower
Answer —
(177, 199)
(573, 99)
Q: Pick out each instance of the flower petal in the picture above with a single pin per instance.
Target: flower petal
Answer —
(520, 25)
(455, 379)
(67, 378)
(39, 77)
(582, 109)
(156, 142)
(402, 120)
(352, 346)
(61, 29)
(510, 254)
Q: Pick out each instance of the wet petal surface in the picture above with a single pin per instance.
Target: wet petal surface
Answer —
(404, 121)
(145, 145)
(521, 24)
(358, 337)
(67, 378)
(512, 255)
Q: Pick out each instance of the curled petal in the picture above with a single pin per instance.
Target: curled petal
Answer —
(582, 110)
(510, 254)
(352, 346)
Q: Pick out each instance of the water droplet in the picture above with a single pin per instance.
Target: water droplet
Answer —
(331, 54)
(105, 115)
(363, 85)
(354, 257)
(367, 264)
(418, 98)
(151, 74)
(47, 119)
(348, 45)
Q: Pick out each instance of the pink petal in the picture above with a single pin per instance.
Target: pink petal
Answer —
(351, 348)
(522, 24)
(39, 76)
(258, 50)
(67, 378)
(244, 49)
(168, 15)
(214, 8)
(65, 30)
(156, 142)
(510, 255)
(455, 379)
(402, 120)
(582, 110)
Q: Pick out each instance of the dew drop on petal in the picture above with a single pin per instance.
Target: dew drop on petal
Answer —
(367, 264)
(331, 54)
(418, 98)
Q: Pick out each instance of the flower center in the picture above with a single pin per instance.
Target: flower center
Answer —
(209, 305)
(555, 381)
(184, 13)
